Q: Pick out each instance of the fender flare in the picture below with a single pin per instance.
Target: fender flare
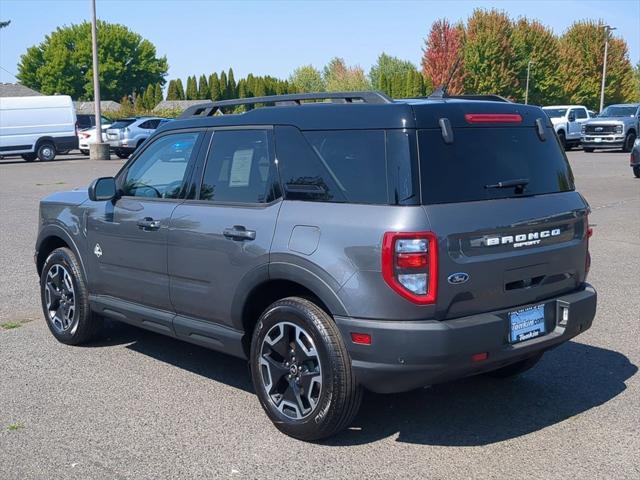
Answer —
(55, 230)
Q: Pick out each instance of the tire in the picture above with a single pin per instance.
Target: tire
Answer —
(587, 149)
(327, 397)
(628, 142)
(563, 140)
(65, 299)
(516, 368)
(46, 151)
(636, 171)
(84, 152)
(29, 157)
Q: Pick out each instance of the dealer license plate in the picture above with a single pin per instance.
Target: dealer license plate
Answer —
(526, 324)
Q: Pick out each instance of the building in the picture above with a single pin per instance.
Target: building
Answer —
(106, 106)
(180, 105)
(16, 90)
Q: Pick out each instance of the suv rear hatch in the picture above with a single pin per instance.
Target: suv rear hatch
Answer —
(116, 130)
(499, 193)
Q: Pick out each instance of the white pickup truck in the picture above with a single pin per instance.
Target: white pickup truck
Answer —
(567, 121)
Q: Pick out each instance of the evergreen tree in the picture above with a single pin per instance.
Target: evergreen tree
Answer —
(388, 66)
(223, 86)
(214, 87)
(192, 88)
(157, 94)
(179, 90)
(231, 85)
(148, 98)
(172, 91)
(203, 88)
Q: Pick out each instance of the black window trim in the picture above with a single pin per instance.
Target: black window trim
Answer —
(122, 173)
(203, 157)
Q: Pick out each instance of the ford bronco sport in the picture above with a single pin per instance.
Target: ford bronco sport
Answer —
(356, 243)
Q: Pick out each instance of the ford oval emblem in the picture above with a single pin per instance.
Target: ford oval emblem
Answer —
(458, 278)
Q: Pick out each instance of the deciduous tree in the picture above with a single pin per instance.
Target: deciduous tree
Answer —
(307, 79)
(443, 48)
(339, 77)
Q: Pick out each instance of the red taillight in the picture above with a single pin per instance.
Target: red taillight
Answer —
(410, 265)
(361, 338)
(493, 118)
(479, 357)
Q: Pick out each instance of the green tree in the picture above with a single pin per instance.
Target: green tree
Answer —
(231, 85)
(531, 41)
(179, 90)
(192, 88)
(62, 63)
(203, 88)
(582, 56)
(636, 89)
(307, 79)
(388, 66)
(148, 98)
(157, 94)
(223, 86)
(339, 77)
(489, 59)
(214, 87)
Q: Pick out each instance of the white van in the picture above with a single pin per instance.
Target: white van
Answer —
(37, 127)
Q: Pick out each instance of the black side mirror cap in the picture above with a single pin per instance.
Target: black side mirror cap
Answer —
(102, 189)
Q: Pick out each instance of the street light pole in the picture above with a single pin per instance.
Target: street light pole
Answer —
(607, 30)
(97, 150)
(526, 93)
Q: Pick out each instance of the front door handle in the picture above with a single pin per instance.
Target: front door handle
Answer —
(238, 232)
(148, 224)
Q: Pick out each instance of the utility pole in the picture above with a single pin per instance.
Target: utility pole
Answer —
(97, 150)
(526, 93)
(607, 31)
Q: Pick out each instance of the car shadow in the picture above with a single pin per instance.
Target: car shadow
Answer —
(475, 411)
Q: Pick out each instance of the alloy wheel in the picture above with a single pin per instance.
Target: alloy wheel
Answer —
(60, 298)
(291, 370)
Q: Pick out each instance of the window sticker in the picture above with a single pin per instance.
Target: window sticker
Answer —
(241, 168)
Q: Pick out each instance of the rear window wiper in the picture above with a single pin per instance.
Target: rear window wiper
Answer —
(518, 183)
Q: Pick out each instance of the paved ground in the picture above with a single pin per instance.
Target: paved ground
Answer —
(139, 405)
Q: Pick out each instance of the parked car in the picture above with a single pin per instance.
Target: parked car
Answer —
(634, 160)
(616, 127)
(88, 120)
(87, 137)
(127, 134)
(37, 127)
(391, 245)
(567, 121)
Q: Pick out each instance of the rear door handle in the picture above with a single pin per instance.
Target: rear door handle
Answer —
(148, 224)
(238, 232)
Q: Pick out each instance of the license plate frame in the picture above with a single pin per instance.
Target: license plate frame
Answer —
(527, 323)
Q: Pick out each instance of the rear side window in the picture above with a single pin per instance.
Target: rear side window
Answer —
(239, 168)
(122, 123)
(348, 166)
(480, 158)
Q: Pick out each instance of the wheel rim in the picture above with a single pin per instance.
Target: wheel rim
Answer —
(47, 152)
(60, 298)
(290, 370)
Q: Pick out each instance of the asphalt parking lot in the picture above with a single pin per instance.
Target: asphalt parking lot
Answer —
(139, 405)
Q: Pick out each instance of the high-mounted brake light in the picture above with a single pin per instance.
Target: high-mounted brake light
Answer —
(410, 265)
(493, 118)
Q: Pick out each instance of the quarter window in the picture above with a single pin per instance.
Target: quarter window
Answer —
(239, 168)
(160, 170)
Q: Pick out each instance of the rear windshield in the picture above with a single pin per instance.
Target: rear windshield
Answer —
(480, 158)
(122, 123)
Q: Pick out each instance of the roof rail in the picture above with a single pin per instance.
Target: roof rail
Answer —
(207, 109)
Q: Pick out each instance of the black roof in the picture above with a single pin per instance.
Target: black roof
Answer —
(382, 113)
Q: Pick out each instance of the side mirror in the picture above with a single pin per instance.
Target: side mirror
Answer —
(572, 117)
(102, 189)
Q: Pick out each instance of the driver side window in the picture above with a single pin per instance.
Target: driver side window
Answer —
(159, 171)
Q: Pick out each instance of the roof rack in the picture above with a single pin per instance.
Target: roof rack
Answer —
(207, 109)
(489, 98)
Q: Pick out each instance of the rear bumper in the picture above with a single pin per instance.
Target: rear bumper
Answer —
(408, 355)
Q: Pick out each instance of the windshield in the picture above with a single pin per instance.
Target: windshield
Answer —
(555, 112)
(490, 163)
(618, 111)
(122, 123)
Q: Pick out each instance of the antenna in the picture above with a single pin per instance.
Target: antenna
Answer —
(441, 91)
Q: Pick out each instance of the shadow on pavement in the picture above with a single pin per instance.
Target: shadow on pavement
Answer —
(475, 411)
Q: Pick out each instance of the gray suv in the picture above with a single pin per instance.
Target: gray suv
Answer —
(356, 243)
(127, 134)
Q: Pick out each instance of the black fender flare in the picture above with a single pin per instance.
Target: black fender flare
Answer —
(55, 230)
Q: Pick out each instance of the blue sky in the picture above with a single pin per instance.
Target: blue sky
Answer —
(275, 37)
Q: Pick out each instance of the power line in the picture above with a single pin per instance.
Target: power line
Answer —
(7, 71)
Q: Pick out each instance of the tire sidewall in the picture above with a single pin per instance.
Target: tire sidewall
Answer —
(45, 147)
(64, 257)
(299, 316)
